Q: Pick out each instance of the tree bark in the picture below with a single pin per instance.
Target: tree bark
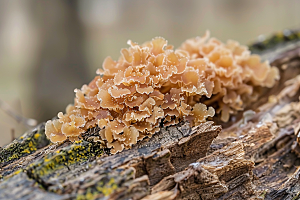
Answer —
(253, 157)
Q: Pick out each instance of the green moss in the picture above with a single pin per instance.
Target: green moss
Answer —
(263, 194)
(27, 144)
(76, 153)
(274, 40)
(108, 188)
(5, 177)
(296, 196)
(111, 182)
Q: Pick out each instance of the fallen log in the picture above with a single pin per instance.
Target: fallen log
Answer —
(254, 156)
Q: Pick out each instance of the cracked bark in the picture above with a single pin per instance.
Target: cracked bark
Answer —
(254, 157)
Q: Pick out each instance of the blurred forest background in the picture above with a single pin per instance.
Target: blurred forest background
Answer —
(49, 48)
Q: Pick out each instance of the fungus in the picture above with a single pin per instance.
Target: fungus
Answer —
(153, 84)
(54, 132)
(232, 74)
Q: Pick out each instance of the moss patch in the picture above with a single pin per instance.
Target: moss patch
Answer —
(274, 40)
(74, 154)
(27, 144)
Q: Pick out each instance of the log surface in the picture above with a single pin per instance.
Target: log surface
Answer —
(256, 156)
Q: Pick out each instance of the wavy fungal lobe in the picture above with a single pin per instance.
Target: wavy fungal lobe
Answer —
(154, 84)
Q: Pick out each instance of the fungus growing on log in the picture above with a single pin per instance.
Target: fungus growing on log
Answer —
(153, 84)
(231, 75)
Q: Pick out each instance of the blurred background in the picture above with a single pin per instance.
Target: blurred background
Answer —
(49, 48)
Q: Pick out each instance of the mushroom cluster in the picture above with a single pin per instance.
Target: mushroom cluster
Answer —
(153, 85)
(233, 74)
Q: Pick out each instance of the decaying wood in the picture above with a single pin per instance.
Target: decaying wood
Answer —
(255, 156)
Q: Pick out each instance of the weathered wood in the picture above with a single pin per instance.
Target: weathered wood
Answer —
(255, 156)
(65, 169)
